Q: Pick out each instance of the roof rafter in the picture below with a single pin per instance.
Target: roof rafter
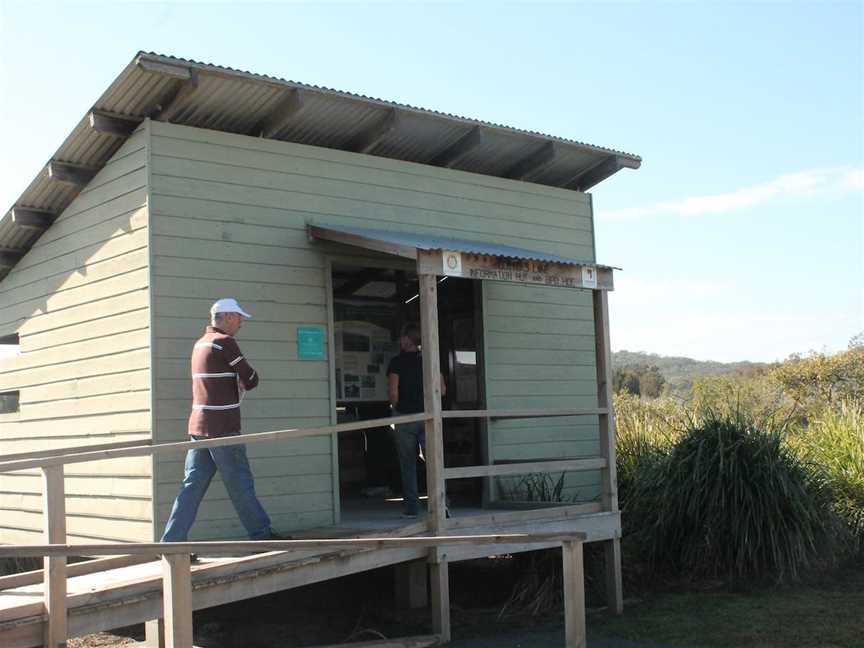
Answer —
(71, 173)
(595, 174)
(176, 97)
(535, 163)
(367, 140)
(9, 257)
(32, 219)
(278, 119)
(450, 156)
(113, 124)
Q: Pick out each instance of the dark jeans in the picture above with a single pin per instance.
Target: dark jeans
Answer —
(410, 440)
(233, 466)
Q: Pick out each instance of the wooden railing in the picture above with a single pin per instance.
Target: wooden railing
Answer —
(52, 466)
(177, 572)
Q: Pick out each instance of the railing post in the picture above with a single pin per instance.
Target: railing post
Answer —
(177, 600)
(54, 507)
(574, 594)
(609, 475)
(435, 488)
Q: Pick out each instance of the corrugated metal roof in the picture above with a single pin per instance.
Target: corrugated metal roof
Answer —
(410, 241)
(208, 96)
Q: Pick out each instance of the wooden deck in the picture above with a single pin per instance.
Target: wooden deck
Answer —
(133, 593)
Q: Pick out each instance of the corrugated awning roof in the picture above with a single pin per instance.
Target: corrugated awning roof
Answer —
(208, 96)
(406, 244)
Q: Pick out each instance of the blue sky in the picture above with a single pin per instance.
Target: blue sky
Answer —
(742, 235)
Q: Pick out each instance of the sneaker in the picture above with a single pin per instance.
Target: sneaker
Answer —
(194, 559)
(278, 536)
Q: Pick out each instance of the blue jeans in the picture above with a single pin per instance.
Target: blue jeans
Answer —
(409, 438)
(233, 466)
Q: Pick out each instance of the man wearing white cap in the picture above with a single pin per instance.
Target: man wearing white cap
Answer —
(220, 375)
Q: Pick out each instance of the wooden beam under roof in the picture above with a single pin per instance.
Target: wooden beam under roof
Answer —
(32, 219)
(9, 257)
(175, 70)
(459, 149)
(595, 174)
(71, 173)
(175, 98)
(535, 163)
(113, 124)
(367, 140)
(278, 119)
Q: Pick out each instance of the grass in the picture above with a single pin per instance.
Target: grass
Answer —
(821, 614)
(730, 501)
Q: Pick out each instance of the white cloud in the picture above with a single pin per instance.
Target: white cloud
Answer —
(802, 185)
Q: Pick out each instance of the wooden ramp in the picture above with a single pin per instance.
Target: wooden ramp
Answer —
(129, 589)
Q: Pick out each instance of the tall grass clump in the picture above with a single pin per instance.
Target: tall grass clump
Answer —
(645, 431)
(730, 500)
(833, 443)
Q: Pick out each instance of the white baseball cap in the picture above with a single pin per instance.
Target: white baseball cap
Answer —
(227, 305)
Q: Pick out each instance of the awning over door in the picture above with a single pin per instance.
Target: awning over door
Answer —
(473, 259)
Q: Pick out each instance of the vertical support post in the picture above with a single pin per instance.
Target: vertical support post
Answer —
(411, 581)
(177, 600)
(574, 594)
(609, 475)
(435, 488)
(154, 633)
(54, 505)
(439, 575)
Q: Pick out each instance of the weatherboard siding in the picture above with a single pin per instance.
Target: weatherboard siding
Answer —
(229, 216)
(78, 301)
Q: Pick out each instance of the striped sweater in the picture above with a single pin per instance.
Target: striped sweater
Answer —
(218, 372)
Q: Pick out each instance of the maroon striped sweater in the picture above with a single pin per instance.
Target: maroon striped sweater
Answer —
(218, 371)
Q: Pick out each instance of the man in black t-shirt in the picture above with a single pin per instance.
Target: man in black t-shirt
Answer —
(405, 391)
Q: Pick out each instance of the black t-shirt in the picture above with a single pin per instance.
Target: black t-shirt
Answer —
(408, 365)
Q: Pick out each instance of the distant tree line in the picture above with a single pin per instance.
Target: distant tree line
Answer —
(640, 380)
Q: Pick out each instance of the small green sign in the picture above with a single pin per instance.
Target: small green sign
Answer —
(310, 343)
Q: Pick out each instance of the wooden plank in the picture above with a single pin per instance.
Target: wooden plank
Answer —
(55, 566)
(499, 470)
(181, 72)
(254, 546)
(432, 401)
(574, 594)
(177, 600)
(10, 257)
(75, 569)
(614, 580)
(209, 443)
(586, 179)
(32, 219)
(439, 575)
(537, 516)
(370, 138)
(521, 414)
(609, 476)
(286, 110)
(68, 450)
(604, 399)
(535, 163)
(451, 156)
(112, 124)
(72, 174)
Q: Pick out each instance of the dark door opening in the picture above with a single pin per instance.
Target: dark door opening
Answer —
(371, 305)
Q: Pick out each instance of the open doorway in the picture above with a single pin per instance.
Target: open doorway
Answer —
(370, 307)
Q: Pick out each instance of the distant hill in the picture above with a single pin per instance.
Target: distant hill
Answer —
(681, 372)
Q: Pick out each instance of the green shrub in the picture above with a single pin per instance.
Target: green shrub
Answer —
(834, 444)
(645, 431)
(730, 500)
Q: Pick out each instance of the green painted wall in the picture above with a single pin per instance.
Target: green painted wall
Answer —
(78, 300)
(228, 217)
